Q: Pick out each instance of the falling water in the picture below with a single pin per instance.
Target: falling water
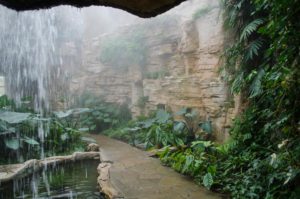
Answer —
(30, 55)
(31, 60)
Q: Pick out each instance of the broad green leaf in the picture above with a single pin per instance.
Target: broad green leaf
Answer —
(63, 114)
(201, 145)
(81, 110)
(13, 117)
(188, 162)
(147, 123)
(208, 180)
(12, 143)
(162, 116)
(83, 129)
(179, 126)
(206, 126)
(30, 141)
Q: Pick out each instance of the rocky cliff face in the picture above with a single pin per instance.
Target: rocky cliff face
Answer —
(181, 68)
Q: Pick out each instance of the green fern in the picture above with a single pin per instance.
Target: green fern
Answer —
(250, 28)
(253, 49)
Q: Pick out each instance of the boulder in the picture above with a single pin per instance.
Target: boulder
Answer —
(93, 147)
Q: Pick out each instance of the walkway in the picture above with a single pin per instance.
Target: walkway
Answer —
(137, 176)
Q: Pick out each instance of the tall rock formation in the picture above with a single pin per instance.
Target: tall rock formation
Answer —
(182, 51)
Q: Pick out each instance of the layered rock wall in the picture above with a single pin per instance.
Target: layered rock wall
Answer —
(183, 61)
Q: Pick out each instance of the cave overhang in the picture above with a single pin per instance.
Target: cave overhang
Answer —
(141, 8)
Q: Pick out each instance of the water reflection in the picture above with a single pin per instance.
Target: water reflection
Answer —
(67, 181)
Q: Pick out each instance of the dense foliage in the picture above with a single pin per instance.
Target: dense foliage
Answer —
(99, 115)
(161, 129)
(262, 159)
(263, 66)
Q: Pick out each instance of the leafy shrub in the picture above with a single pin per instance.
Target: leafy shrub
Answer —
(158, 131)
(262, 158)
(200, 160)
(262, 65)
(100, 115)
(191, 123)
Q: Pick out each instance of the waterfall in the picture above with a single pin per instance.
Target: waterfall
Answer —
(28, 54)
(30, 51)
(31, 57)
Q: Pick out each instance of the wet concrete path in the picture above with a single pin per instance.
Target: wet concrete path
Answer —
(137, 176)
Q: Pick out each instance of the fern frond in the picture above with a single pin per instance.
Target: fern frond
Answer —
(253, 49)
(250, 28)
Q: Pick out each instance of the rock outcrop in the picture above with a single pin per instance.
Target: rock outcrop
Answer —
(104, 182)
(93, 147)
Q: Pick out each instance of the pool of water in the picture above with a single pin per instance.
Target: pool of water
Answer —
(76, 180)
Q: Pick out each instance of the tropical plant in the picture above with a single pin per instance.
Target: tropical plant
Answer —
(191, 123)
(262, 158)
(160, 131)
(199, 160)
(262, 65)
(98, 115)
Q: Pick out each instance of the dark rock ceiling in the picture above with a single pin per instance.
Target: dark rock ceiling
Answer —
(142, 8)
